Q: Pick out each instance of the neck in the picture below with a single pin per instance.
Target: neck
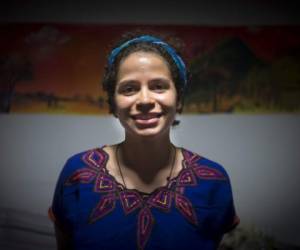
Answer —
(150, 153)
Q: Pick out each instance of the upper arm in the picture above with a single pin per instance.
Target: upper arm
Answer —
(61, 210)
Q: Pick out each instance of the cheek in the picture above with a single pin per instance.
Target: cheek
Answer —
(123, 104)
(169, 101)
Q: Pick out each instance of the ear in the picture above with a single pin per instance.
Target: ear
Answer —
(179, 106)
(112, 110)
(115, 114)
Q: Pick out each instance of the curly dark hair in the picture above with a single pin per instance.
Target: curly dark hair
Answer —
(111, 71)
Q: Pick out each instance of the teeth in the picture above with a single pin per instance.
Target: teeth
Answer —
(146, 117)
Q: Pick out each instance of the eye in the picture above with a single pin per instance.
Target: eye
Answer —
(159, 86)
(127, 89)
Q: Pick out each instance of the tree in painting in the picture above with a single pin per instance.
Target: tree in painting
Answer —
(14, 69)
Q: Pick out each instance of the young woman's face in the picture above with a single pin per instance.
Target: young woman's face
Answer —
(145, 95)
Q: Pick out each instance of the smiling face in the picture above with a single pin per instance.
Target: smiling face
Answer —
(145, 95)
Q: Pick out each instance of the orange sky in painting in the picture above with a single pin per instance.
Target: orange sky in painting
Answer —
(68, 59)
(68, 67)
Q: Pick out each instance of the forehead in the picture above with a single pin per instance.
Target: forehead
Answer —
(141, 61)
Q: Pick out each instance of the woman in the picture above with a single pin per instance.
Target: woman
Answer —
(143, 193)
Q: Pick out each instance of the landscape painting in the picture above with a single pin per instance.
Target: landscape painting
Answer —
(57, 68)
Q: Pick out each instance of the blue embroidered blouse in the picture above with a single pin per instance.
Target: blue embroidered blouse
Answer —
(192, 211)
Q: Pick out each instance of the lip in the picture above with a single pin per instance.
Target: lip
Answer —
(147, 116)
(148, 119)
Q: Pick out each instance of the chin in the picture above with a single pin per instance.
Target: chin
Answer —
(145, 132)
(148, 133)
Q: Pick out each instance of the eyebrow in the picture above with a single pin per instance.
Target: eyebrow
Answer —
(161, 79)
(152, 80)
(126, 82)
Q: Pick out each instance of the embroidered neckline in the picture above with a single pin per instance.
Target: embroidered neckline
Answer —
(131, 200)
(167, 185)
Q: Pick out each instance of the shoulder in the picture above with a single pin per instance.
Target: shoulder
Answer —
(215, 188)
(79, 168)
(205, 167)
(92, 158)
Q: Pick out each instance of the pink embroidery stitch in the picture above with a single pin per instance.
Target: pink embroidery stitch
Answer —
(95, 158)
(83, 175)
(190, 157)
(145, 224)
(104, 183)
(130, 201)
(162, 199)
(186, 208)
(104, 207)
(205, 172)
(187, 178)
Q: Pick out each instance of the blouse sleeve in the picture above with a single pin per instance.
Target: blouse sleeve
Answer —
(231, 219)
(63, 209)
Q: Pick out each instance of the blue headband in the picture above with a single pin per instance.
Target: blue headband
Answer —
(151, 39)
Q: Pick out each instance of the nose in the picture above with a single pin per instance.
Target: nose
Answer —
(145, 101)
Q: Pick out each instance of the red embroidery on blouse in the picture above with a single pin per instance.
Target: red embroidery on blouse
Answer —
(145, 225)
(161, 199)
(104, 183)
(186, 208)
(132, 200)
(187, 178)
(205, 172)
(95, 158)
(83, 175)
(104, 207)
